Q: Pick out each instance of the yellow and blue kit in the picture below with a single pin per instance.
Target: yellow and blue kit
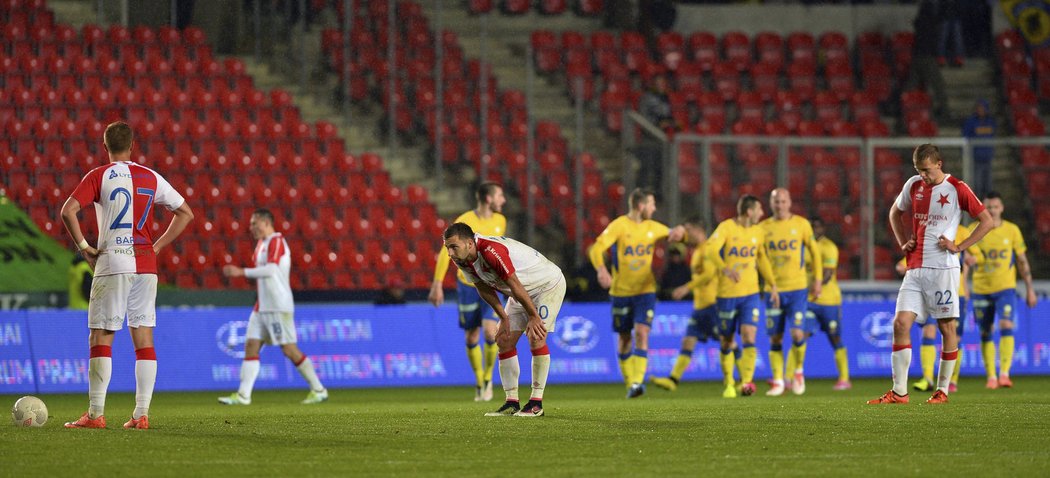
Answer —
(704, 322)
(789, 242)
(633, 288)
(741, 249)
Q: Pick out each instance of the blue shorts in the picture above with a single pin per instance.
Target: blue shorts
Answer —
(472, 309)
(736, 312)
(703, 324)
(636, 309)
(792, 310)
(825, 318)
(987, 307)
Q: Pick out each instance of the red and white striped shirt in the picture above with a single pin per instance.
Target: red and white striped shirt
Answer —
(936, 212)
(272, 271)
(124, 194)
(499, 257)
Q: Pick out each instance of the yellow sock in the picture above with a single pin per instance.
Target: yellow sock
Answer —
(474, 355)
(641, 365)
(792, 363)
(988, 354)
(800, 356)
(747, 364)
(1006, 353)
(776, 362)
(842, 362)
(491, 353)
(626, 367)
(728, 364)
(680, 365)
(958, 366)
(928, 355)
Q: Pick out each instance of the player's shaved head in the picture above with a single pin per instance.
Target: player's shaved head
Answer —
(780, 203)
(118, 137)
(459, 230)
(780, 192)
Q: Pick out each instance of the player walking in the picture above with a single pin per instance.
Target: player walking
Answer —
(633, 239)
(125, 262)
(535, 289)
(272, 320)
(825, 311)
(936, 201)
(474, 313)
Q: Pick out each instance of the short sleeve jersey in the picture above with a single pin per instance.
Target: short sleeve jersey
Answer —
(124, 194)
(996, 254)
(499, 257)
(632, 244)
(274, 289)
(936, 211)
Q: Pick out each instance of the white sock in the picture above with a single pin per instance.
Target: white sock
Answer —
(541, 365)
(100, 369)
(249, 372)
(901, 360)
(508, 374)
(145, 379)
(944, 374)
(306, 369)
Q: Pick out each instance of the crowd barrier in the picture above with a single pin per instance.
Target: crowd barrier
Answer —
(420, 345)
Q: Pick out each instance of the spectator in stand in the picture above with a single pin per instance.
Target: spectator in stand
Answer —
(925, 73)
(981, 125)
(655, 106)
(951, 28)
(393, 294)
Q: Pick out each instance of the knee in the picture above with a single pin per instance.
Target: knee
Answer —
(900, 327)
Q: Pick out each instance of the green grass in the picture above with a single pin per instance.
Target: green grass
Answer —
(589, 430)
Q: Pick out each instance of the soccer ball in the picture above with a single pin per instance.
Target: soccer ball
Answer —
(29, 411)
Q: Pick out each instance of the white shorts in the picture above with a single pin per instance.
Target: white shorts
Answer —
(272, 328)
(930, 293)
(547, 302)
(117, 296)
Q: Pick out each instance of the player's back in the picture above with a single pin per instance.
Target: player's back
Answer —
(504, 256)
(124, 194)
(997, 258)
(738, 247)
(786, 245)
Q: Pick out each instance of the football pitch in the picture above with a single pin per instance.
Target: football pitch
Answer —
(589, 430)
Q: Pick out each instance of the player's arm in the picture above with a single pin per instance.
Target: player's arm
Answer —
(534, 328)
(604, 241)
(818, 264)
(703, 272)
(183, 216)
(978, 233)
(1025, 269)
(965, 272)
(488, 294)
(714, 248)
(69, 218)
(437, 290)
(905, 240)
(902, 266)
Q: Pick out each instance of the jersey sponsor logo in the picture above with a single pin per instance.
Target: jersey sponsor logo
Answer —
(576, 334)
(998, 254)
(638, 250)
(743, 251)
(131, 241)
(877, 329)
(113, 173)
(783, 245)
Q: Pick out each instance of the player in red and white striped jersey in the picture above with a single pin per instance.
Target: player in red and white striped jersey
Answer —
(125, 262)
(535, 289)
(936, 201)
(272, 320)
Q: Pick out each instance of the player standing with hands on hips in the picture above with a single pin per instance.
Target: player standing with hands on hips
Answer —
(936, 201)
(125, 262)
(535, 289)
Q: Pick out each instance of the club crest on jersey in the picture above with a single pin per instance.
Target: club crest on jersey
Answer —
(943, 201)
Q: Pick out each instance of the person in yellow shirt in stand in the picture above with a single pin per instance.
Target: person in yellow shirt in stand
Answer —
(703, 325)
(474, 313)
(928, 349)
(738, 250)
(825, 311)
(632, 286)
(789, 241)
(1000, 255)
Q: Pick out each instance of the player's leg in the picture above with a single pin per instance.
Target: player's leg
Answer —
(623, 325)
(470, 310)
(727, 329)
(548, 304)
(282, 330)
(142, 317)
(748, 312)
(489, 324)
(255, 334)
(1006, 310)
(830, 322)
(984, 315)
(949, 357)
(775, 331)
(927, 357)
(794, 306)
(959, 323)
(900, 359)
(107, 308)
(644, 309)
(509, 368)
(476, 359)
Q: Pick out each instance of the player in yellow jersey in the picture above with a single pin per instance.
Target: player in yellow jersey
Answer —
(474, 313)
(789, 241)
(738, 250)
(825, 311)
(631, 284)
(928, 349)
(1000, 256)
(703, 325)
